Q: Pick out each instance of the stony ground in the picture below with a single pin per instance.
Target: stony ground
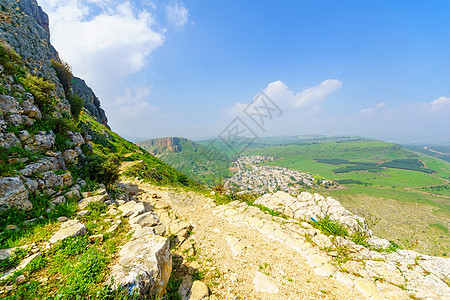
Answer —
(244, 253)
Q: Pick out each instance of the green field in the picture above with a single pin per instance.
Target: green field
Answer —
(417, 198)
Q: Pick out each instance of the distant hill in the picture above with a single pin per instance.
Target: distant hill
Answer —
(193, 159)
(438, 151)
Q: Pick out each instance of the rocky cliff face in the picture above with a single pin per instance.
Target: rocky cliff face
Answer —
(91, 102)
(24, 26)
(162, 145)
(38, 139)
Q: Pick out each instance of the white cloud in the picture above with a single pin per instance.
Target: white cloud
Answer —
(371, 110)
(309, 98)
(315, 95)
(103, 40)
(135, 103)
(177, 14)
(442, 103)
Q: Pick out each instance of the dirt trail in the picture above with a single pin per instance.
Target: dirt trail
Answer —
(250, 254)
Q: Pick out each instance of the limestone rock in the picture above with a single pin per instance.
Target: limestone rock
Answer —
(9, 104)
(67, 179)
(322, 241)
(20, 279)
(144, 265)
(132, 208)
(70, 156)
(22, 265)
(5, 253)
(68, 229)
(73, 194)
(85, 202)
(264, 284)
(307, 206)
(13, 194)
(8, 140)
(51, 180)
(43, 141)
(146, 219)
(84, 213)
(30, 110)
(198, 291)
(77, 139)
(42, 165)
(386, 271)
(175, 228)
(58, 200)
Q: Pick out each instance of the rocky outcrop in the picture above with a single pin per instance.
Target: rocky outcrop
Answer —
(25, 28)
(91, 102)
(307, 207)
(145, 262)
(162, 145)
(144, 265)
(13, 194)
(69, 228)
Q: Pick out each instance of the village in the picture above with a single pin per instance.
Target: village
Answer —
(253, 176)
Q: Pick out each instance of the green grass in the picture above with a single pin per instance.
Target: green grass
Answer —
(439, 227)
(330, 227)
(152, 169)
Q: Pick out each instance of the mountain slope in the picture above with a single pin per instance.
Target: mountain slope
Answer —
(193, 159)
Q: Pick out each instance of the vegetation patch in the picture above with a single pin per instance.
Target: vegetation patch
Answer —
(407, 164)
(353, 181)
(328, 226)
(439, 227)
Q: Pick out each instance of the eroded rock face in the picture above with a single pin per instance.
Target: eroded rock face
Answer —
(9, 104)
(8, 140)
(144, 265)
(307, 206)
(13, 194)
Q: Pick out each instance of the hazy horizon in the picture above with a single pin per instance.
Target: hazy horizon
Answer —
(189, 68)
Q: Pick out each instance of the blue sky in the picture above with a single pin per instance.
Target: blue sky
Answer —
(378, 69)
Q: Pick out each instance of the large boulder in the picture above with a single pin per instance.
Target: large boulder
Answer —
(42, 165)
(83, 204)
(69, 229)
(133, 208)
(70, 156)
(52, 180)
(8, 140)
(43, 141)
(30, 110)
(144, 265)
(9, 104)
(13, 194)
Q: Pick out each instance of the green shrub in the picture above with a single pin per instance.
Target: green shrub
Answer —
(64, 74)
(9, 59)
(102, 169)
(76, 105)
(41, 90)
